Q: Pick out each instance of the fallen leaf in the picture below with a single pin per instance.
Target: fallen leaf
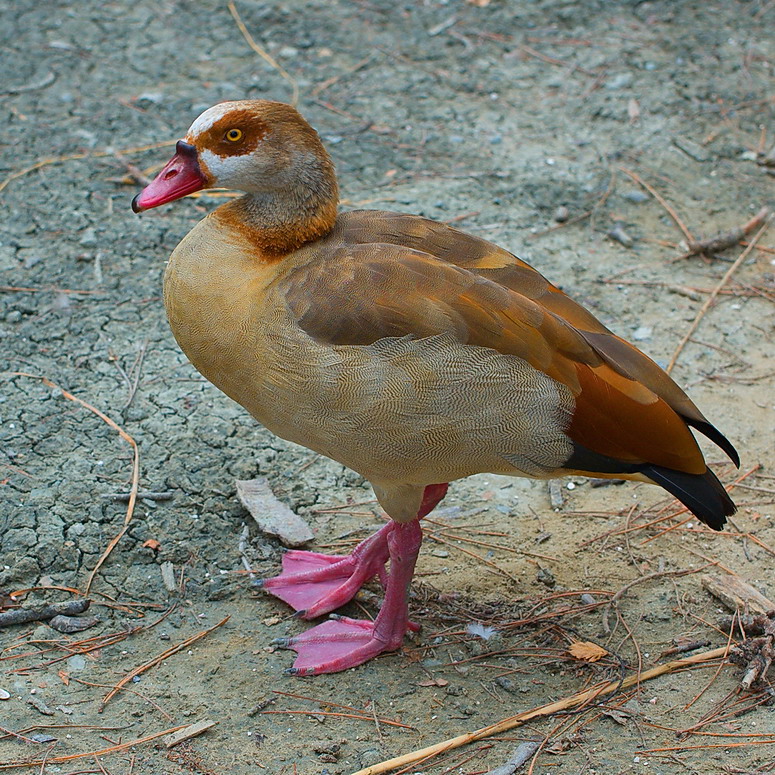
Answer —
(152, 543)
(64, 676)
(434, 682)
(479, 3)
(586, 651)
(617, 716)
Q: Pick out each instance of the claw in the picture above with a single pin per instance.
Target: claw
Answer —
(300, 671)
(283, 643)
(258, 583)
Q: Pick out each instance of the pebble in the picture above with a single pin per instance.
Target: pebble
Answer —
(4, 695)
(76, 663)
(40, 706)
(561, 214)
(642, 333)
(619, 81)
(620, 235)
(636, 195)
(89, 237)
(40, 737)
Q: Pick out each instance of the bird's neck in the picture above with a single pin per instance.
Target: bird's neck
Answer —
(281, 221)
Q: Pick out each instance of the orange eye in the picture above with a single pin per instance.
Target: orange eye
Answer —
(233, 135)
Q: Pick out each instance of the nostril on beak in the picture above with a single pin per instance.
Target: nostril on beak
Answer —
(169, 174)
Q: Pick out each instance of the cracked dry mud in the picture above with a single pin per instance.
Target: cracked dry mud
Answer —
(494, 117)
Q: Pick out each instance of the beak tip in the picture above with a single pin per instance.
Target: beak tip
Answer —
(135, 205)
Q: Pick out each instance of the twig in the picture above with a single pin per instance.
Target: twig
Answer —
(704, 308)
(41, 83)
(522, 753)
(670, 211)
(41, 613)
(727, 239)
(141, 495)
(135, 468)
(265, 55)
(648, 577)
(573, 701)
(22, 289)
(157, 660)
(101, 752)
(359, 716)
(176, 738)
(554, 61)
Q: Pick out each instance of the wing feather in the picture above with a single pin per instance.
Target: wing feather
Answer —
(384, 275)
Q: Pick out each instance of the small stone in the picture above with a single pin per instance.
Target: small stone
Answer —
(546, 577)
(620, 235)
(271, 514)
(40, 737)
(641, 333)
(619, 81)
(88, 237)
(561, 214)
(39, 705)
(76, 663)
(691, 149)
(636, 195)
(4, 695)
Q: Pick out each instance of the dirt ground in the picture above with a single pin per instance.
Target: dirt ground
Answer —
(492, 117)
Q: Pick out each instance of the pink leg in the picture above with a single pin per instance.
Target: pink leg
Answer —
(315, 584)
(341, 642)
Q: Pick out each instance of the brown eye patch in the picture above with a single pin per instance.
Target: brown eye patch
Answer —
(219, 138)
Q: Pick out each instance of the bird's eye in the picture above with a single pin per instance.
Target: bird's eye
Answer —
(233, 135)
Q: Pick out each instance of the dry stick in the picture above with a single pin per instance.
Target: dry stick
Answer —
(727, 239)
(265, 55)
(43, 612)
(672, 213)
(22, 289)
(101, 752)
(75, 156)
(135, 467)
(358, 716)
(704, 308)
(561, 62)
(158, 659)
(545, 710)
(648, 577)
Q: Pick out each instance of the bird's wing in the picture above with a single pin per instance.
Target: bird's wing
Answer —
(356, 292)
(489, 261)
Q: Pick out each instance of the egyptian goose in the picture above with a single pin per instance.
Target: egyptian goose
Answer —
(405, 349)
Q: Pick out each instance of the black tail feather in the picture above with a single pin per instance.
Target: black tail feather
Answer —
(711, 432)
(702, 494)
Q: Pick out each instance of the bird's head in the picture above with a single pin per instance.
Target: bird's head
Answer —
(255, 146)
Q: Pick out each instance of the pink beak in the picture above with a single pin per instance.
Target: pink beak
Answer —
(181, 175)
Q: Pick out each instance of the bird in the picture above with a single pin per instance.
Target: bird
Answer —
(405, 349)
